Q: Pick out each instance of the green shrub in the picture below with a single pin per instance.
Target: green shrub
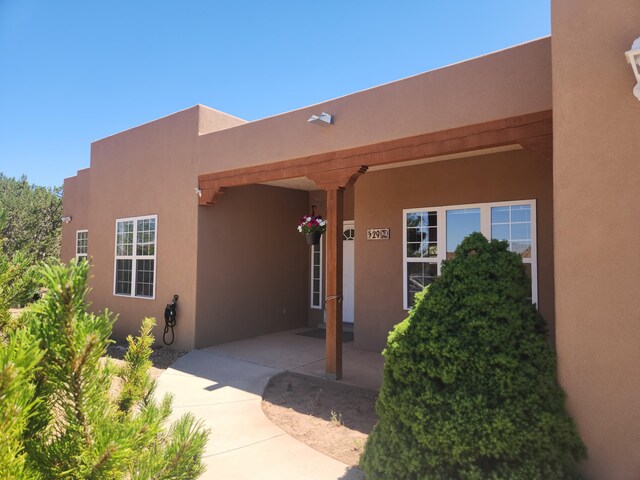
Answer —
(60, 418)
(470, 389)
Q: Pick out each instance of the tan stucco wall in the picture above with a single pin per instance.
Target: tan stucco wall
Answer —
(76, 193)
(252, 265)
(381, 196)
(150, 169)
(153, 169)
(501, 85)
(69, 207)
(597, 227)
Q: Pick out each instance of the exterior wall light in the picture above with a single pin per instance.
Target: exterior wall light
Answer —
(633, 57)
(323, 119)
(66, 219)
(198, 192)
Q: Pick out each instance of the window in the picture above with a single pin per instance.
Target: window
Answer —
(422, 260)
(316, 276)
(135, 257)
(82, 243)
(431, 235)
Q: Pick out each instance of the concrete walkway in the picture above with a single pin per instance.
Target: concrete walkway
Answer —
(225, 391)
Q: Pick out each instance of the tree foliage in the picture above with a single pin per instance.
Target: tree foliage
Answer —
(32, 218)
(470, 389)
(19, 285)
(60, 418)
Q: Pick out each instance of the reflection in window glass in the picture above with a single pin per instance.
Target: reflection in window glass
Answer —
(422, 234)
(460, 223)
(513, 224)
(123, 277)
(419, 275)
(144, 277)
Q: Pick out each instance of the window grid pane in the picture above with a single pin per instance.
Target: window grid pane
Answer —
(316, 276)
(124, 239)
(513, 224)
(422, 234)
(123, 277)
(144, 278)
(82, 242)
(145, 244)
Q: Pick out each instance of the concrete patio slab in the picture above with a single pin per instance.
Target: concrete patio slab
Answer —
(285, 350)
(360, 368)
(226, 393)
(289, 351)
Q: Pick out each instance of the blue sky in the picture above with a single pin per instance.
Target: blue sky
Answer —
(72, 72)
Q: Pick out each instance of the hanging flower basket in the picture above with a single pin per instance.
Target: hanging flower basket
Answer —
(313, 238)
(312, 227)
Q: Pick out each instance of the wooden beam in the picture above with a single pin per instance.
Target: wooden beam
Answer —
(542, 145)
(209, 196)
(509, 131)
(334, 283)
(339, 178)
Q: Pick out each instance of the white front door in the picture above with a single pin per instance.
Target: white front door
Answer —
(348, 271)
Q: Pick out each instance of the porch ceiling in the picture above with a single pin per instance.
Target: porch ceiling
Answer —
(532, 131)
(303, 183)
(299, 183)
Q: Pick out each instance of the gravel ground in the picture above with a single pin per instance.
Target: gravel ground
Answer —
(162, 357)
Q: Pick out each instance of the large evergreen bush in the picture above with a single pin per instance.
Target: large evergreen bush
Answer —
(60, 417)
(470, 389)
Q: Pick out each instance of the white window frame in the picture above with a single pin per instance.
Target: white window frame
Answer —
(82, 255)
(134, 257)
(312, 305)
(485, 229)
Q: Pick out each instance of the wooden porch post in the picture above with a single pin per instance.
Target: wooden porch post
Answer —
(334, 283)
(333, 182)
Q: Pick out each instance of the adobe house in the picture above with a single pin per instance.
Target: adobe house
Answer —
(538, 144)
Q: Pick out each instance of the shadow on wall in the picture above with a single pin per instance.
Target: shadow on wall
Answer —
(253, 265)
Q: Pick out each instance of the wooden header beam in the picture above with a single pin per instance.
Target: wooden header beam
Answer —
(532, 131)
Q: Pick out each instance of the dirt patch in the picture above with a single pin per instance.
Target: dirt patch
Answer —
(330, 417)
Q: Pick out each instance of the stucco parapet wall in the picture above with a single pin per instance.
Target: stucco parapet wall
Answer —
(199, 119)
(206, 119)
(500, 85)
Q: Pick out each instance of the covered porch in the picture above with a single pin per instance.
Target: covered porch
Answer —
(335, 171)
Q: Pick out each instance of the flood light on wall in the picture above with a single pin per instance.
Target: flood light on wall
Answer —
(323, 119)
(633, 57)
(66, 219)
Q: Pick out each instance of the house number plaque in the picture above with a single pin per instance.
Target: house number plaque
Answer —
(378, 234)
